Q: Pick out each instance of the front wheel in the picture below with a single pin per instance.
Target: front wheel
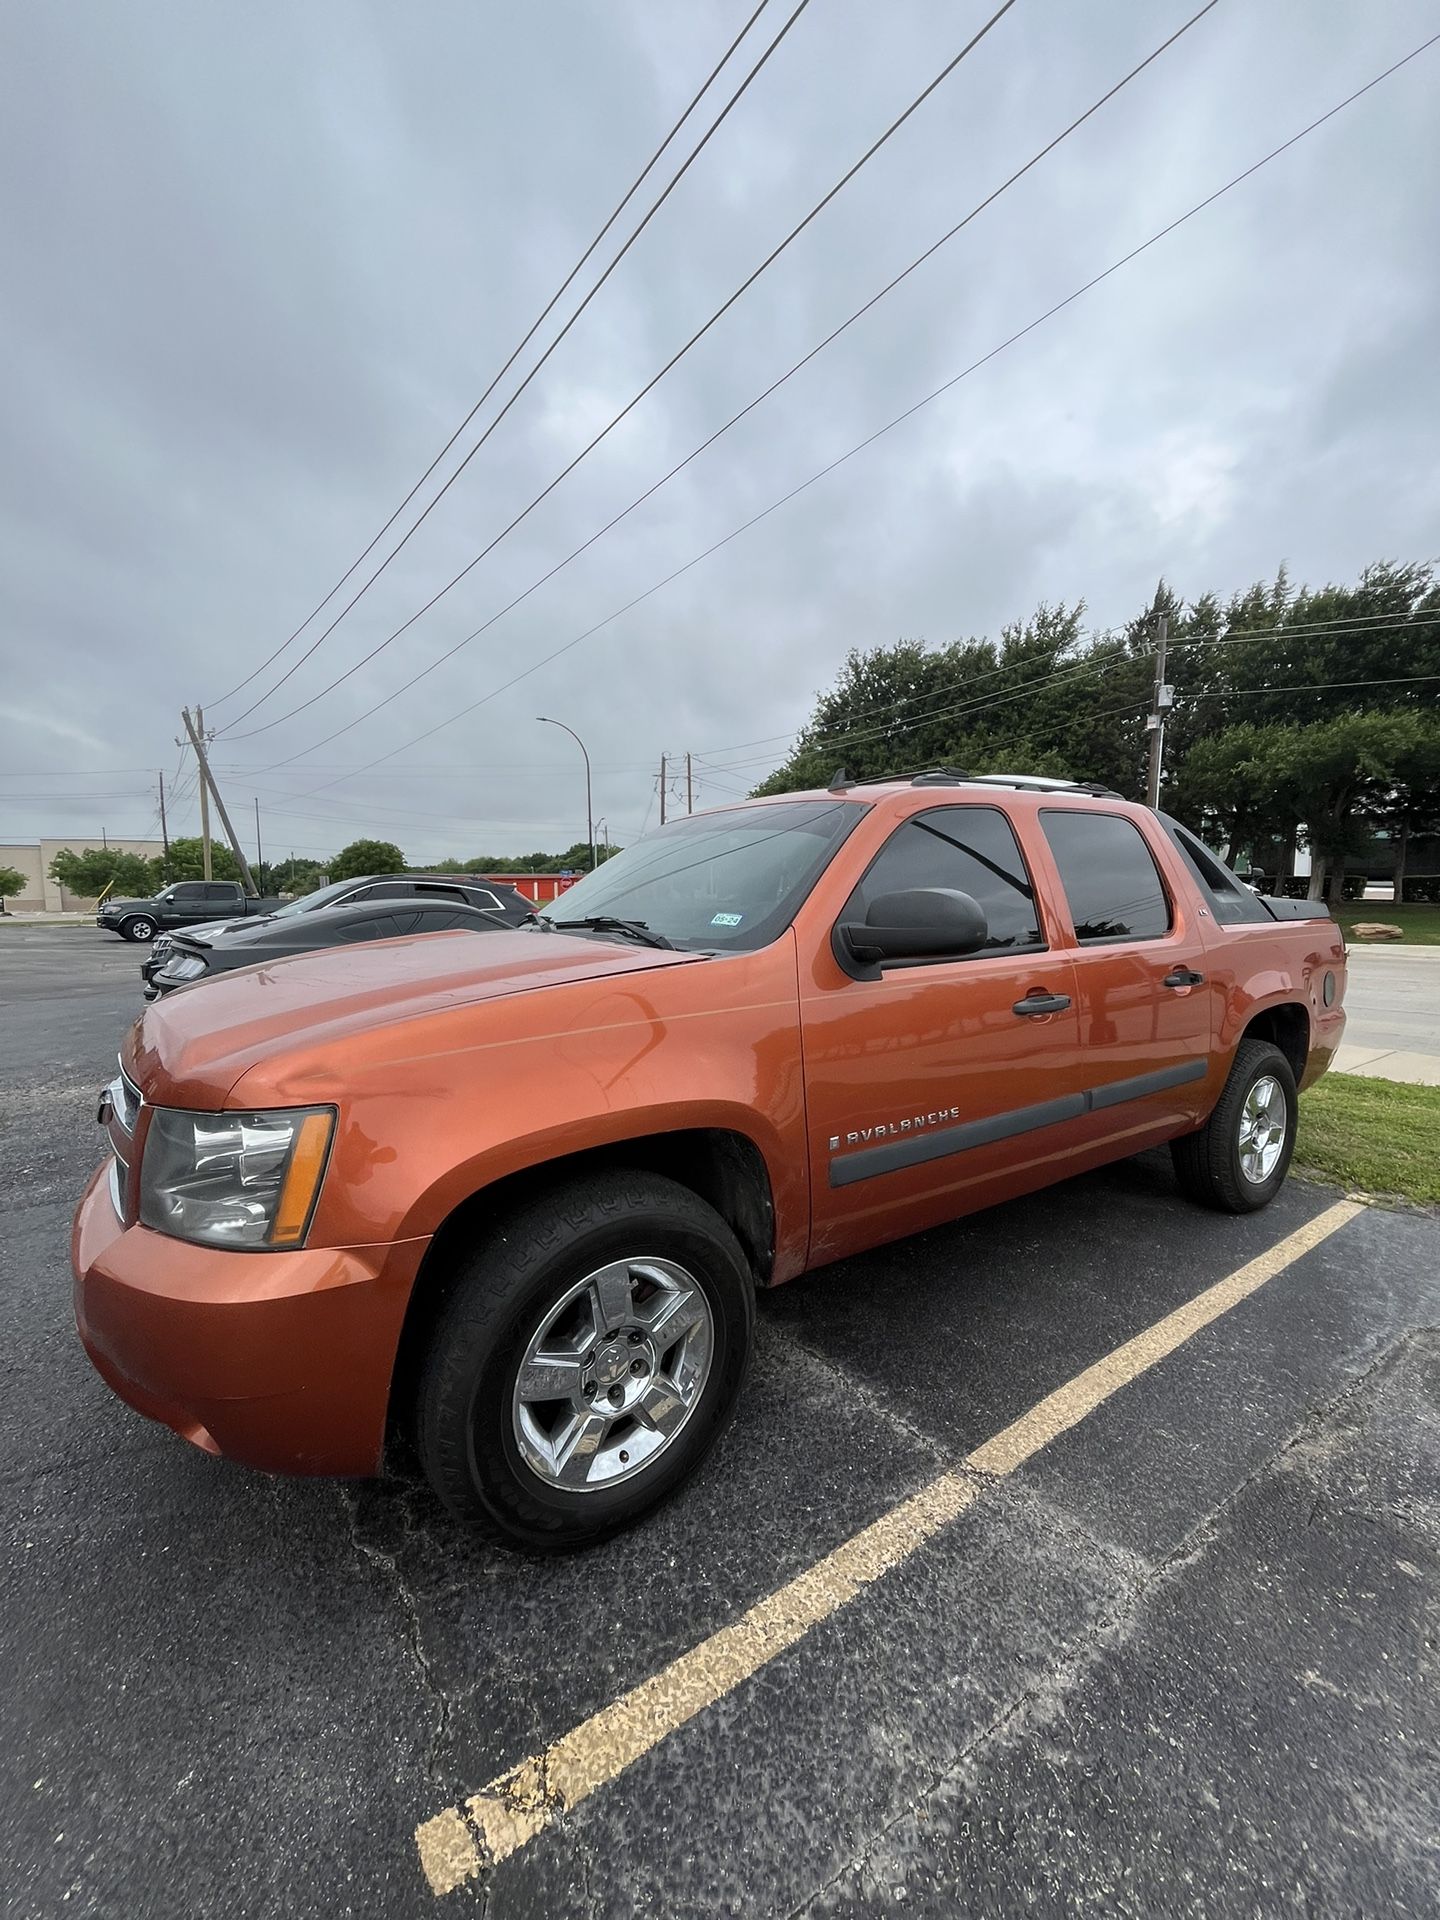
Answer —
(588, 1356)
(1238, 1160)
(138, 929)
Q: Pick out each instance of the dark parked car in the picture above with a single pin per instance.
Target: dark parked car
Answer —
(185, 904)
(198, 956)
(503, 905)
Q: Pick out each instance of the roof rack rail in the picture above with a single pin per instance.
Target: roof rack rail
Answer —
(1021, 782)
(942, 777)
(1042, 783)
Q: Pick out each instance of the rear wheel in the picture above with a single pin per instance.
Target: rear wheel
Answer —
(589, 1355)
(138, 928)
(1238, 1160)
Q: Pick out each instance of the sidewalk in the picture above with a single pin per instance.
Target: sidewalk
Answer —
(1415, 1069)
(32, 918)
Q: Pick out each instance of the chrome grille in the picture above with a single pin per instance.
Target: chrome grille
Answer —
(120, 1105)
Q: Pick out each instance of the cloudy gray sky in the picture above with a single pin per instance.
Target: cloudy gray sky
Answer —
(258, 263)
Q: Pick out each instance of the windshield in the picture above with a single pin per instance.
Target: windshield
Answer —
(308, 902)
(727, 881)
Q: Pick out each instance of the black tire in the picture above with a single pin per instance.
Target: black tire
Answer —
(1208, 1163)
(497, 1297)
(138, 928)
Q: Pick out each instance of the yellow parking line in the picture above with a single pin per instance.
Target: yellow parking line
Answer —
(455, 1845)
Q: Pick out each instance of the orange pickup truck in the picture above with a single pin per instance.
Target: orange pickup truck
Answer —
(516, 1203)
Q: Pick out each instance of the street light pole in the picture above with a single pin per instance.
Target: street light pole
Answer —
(546, 721)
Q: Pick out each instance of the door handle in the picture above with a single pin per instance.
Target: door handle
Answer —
(1183, 977)
(1042, 1003)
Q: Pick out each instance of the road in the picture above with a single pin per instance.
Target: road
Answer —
(1392, 1027)
(1170, 1660)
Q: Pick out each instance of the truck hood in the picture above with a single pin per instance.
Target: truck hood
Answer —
(193, 1046)
(114, 906)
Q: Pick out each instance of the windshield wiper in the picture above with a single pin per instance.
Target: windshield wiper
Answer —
(607, 923)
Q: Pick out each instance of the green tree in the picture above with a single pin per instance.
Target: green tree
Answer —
(187, 862)
(367, 856)
(87, 874)
(12, 881)
(1226, 790)
(1413, 806)
(297, 876)
(1342, 775)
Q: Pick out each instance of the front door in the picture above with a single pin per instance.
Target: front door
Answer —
(928, 1088)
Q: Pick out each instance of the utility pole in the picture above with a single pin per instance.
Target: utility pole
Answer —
(662, 789)
(689, 786)
(207, 779)
(1155, 725)
(259, 850)
(197, 733)
(164, 826)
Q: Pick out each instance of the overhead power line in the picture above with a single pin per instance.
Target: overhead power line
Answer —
(880, 433)
(1142, 702)
(655, 379)
(774, 386)
(534, 328)
(1072, 669)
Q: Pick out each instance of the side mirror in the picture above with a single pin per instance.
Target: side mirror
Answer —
(924, 923)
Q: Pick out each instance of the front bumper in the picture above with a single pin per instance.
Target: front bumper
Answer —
(278, 1360)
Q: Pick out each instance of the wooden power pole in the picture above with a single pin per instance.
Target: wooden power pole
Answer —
(197, 733)
(662, 789)
(689, 786)
(196, 730)
(164, 826)
(1155, 725)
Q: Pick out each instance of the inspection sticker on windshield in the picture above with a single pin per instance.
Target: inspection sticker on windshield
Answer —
(726, 919)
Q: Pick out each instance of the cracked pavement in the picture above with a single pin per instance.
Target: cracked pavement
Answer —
(1183, 1662)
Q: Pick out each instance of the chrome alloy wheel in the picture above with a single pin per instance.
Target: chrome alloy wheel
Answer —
(612, 1373)
(1263, 1120)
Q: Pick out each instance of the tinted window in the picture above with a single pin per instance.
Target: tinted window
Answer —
(189, 890)
(332, 896)
(220, 890)
(971, 849)
(1231, 901)
(376, 926)
(440, 922)
(1110, 878)
(426, 891)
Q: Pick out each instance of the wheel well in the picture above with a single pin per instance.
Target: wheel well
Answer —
(725, 1169)
(1286, 1027)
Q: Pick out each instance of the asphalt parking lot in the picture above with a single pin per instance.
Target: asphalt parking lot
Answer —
(1178, 1659)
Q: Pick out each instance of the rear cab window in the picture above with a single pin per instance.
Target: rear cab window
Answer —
(1231, 902)
(1113, 886)
(971, 849)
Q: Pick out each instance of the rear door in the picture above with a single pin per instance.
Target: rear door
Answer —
(935, 1082)
(1143, 999)
(183, 904)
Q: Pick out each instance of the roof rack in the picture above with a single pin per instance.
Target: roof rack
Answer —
(1021, 782)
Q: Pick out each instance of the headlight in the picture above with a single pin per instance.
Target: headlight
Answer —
(234, 1179)
(189, 966)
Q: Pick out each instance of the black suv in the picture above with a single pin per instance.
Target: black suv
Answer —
(502, 906)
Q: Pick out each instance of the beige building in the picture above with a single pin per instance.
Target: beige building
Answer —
(44, 895)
